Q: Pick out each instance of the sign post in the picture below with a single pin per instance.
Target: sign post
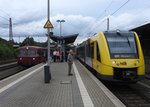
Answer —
(48, 25)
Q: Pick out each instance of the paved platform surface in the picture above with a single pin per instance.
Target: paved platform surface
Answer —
(80, 90)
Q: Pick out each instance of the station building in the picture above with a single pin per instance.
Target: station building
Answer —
(144, 35)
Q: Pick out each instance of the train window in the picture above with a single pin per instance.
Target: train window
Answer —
(98, 52)
(88, 50)
(39, 52)
(31, 52)
(122, 46)
(92, 50)
(82, 51)
(22, 52)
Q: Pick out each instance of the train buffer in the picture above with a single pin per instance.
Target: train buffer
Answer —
(82, 89)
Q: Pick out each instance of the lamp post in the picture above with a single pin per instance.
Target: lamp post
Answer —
(61, 39)
(60, 21)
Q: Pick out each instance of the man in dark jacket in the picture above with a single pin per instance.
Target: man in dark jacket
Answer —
(70, 62)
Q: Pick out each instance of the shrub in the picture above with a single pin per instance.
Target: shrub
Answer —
(6, 52)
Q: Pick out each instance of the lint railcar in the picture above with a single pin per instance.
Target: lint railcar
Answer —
(114, 56)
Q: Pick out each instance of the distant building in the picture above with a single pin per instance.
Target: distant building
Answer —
(144, 34)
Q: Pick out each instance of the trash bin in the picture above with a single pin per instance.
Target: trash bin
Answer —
(47, 74)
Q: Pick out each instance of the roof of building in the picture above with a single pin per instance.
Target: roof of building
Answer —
(68, 39)
(143, 31)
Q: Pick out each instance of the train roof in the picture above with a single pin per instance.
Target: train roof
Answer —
(31, 47)
(118, 31)
(68, 39)
(109, 33)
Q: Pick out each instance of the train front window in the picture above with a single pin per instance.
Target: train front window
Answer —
(22, 53)
(31, 52)
(122, 46)
(26, 53)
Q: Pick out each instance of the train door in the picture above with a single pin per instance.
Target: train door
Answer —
(88, 55)
(92, 54)
(98, 58)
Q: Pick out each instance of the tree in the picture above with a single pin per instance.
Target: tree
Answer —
(28, 41)
(6, 52)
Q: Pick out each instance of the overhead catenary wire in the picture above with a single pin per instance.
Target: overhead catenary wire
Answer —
(5, 12)
(108, 6)
(138, 13)
(119, 8)
(114, 12)
(4, 18)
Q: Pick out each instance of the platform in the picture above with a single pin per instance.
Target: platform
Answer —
(27, 89)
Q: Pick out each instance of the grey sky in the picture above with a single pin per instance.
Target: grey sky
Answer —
(82, 16)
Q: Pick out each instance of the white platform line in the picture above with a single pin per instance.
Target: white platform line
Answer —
(84, 93)
(18, 80)
(108, 93)
(145, 85)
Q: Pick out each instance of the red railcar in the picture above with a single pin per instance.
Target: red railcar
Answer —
(31, 55)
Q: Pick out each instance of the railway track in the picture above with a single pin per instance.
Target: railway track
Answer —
(10, 69)
(8, 61)
(131, 95)
(8, 66)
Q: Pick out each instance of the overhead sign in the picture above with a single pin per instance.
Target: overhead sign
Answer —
(48, 24)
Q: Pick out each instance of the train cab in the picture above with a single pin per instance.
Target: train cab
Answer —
(30, 55)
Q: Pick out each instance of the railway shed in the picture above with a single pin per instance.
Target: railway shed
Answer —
(63, 43)
(64, 39)
(144, 35)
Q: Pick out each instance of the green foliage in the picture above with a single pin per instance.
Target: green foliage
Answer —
(6, 51)
(28, 41)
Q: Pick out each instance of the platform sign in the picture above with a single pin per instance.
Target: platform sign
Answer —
(48, 24)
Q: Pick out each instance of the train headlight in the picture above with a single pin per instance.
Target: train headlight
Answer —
(20, 58)
(113, 62)
(33, 58)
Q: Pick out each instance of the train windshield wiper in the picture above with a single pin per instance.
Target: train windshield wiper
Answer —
(129, 42)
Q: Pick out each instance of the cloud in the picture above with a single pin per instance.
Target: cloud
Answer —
(73, 23)
(81, 16)
(84, 25)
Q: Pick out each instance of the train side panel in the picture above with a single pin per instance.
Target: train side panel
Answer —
(141, 63)
(101, 62)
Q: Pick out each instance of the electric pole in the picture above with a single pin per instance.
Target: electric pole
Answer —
(107, 24)
(10, 31)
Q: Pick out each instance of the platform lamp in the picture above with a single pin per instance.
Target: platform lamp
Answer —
(60, 34)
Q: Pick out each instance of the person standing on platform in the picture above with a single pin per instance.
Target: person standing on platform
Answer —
(54, 56)
(70, 62)
(58, 56)
(62, 56)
